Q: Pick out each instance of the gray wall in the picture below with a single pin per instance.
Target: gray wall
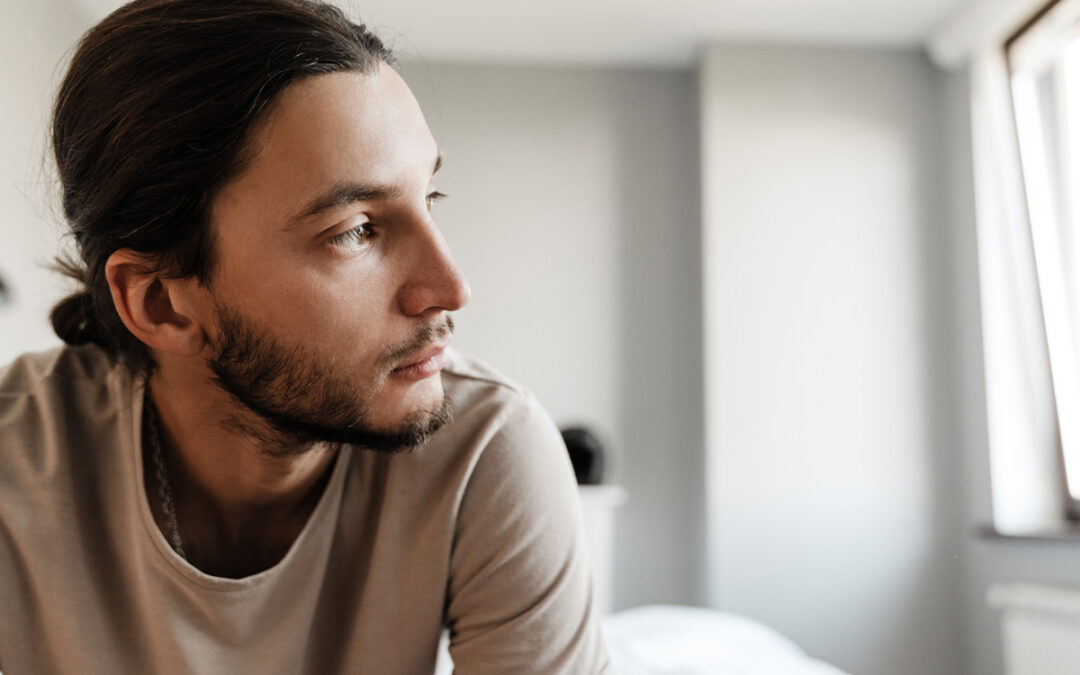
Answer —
(830, 448)
(574, 211)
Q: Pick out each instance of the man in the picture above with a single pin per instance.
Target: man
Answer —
(257, 452)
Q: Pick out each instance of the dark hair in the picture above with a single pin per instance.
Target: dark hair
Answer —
(154, 117)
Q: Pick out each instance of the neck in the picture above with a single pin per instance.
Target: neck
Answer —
(233, 495)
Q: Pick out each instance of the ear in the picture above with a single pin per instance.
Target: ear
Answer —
(160, 312)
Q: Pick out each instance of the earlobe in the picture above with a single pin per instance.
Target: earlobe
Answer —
(153, 308)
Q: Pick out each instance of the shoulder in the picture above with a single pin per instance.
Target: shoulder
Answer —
(33, 373)
(492, 407)
(511, 436)
(49, 401)
(518, 571)
(497, 428)
(470, 381)
(66, 378)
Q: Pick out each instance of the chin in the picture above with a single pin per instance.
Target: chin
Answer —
(401, 403)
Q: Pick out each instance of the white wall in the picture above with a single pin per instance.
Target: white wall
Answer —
(574, 212)
(831, 474)
(35, 36)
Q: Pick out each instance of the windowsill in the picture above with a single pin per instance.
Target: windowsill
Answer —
(1066, 530)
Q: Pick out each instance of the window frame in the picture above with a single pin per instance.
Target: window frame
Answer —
(1041, 92)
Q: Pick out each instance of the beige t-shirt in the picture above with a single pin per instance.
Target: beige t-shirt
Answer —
(479, 530)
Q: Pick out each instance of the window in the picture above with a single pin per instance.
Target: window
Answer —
(1044, 74)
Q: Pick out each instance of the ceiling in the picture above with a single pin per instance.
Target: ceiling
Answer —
(661, 33)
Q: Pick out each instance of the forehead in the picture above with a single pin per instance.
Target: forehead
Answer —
(330, 128)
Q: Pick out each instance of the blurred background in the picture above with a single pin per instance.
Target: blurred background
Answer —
(739, 241)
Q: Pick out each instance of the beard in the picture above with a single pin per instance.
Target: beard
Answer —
(299, 397)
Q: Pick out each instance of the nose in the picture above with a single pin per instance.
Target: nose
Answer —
(434, 282)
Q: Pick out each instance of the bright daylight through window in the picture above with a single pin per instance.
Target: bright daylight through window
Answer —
(1044, 61)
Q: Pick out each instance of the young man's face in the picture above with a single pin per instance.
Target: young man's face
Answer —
(330, 272)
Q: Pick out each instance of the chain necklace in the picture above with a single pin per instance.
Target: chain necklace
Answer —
(164, 490)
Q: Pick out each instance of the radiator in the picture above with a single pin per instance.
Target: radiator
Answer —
(1040, 628)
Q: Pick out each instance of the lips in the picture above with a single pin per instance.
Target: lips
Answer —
(423, 356)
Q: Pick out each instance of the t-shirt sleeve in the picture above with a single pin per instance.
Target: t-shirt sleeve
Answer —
(520, 588)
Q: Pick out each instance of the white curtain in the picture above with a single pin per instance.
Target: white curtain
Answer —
(1026, 477)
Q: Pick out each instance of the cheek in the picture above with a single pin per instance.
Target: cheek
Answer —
(342, 314)
(313, 297)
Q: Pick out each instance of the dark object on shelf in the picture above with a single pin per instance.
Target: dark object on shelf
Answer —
(586, 454)
(5, 295)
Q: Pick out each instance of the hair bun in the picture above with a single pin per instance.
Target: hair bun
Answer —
(73, 319)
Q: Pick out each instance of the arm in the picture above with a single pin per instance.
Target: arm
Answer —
(520, 590)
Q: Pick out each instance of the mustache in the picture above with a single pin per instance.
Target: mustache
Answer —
(424, 336)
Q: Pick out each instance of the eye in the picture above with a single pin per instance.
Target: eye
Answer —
(434, 197)
(353, 239)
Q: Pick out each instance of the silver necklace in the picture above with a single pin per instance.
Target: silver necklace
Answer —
(164, 491)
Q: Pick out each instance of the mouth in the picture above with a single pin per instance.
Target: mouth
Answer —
(425, 364)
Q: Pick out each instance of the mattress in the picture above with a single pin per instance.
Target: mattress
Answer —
(678, 640)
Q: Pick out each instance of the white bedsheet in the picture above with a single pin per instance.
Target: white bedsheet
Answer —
(676, 640)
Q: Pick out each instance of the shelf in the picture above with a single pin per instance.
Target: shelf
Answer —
(603, 495)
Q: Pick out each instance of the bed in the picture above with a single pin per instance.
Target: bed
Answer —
(679, 640)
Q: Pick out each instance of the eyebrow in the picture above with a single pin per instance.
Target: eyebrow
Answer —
(347, 193)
